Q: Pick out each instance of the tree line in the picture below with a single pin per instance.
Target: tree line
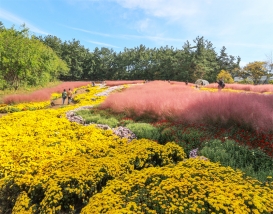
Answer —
(191, 62)
(35, 60)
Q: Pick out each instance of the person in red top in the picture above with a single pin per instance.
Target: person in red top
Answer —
(69, 95)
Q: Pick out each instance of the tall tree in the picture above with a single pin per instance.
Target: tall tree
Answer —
(73, 53)
(53, 42)
(255, 70)
(26, 61)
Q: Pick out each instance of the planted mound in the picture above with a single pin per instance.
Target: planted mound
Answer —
(192, 186)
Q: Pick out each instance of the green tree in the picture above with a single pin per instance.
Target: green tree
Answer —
(74, 54)
(200, 60)
(25, 61)
(255, 70)
(53, 42)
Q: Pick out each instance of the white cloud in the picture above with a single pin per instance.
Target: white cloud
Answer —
(173, 9)
(102, 44)
(19, 21)
(144, 24)
(90, 32)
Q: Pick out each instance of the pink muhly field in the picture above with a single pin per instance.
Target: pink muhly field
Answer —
(246, 87)
(42, 94)
(181, 103)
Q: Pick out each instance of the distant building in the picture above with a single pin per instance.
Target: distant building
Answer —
(238, 79)
(263, 79)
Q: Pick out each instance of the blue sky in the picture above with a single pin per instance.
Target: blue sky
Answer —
(244, 27)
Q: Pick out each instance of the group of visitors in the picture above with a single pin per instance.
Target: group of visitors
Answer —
(68, 95)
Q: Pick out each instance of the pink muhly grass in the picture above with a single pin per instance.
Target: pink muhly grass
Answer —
(227, 109)
(42, 94)
(263, 88)
(182, 103)
(157, 97)
(246, 87)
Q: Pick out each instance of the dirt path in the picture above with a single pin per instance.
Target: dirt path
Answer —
(59, 102)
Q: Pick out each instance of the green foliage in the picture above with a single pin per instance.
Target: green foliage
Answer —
(255, 70)
(270, 82)
(125, 122)
(106, 113)
(9, 109)
(144, 130)
(253, 162)
(89, 117)
(246, 81)
(92, 118)
(166, 135)
(25, 61)
(112, 122)
(193, 61)
(189, 139)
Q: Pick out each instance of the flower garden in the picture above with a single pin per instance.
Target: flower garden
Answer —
(51, 165)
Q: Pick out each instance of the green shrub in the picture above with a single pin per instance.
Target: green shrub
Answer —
(166, 135)
(12, 109)
(246, 81)
(112, 122)
(144, 130)
(91, 118)
(84, 113)
(106, 113)
(125, 122)
(189, 139)
(253, 162)
(88, 116)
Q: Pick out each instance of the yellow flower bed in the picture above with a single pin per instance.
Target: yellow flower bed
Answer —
(24, 107)
(86, 98)
(55, 96)
(192, 186)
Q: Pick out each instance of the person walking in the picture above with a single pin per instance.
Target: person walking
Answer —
(64, 95)
(221, 84)
(69, 95)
